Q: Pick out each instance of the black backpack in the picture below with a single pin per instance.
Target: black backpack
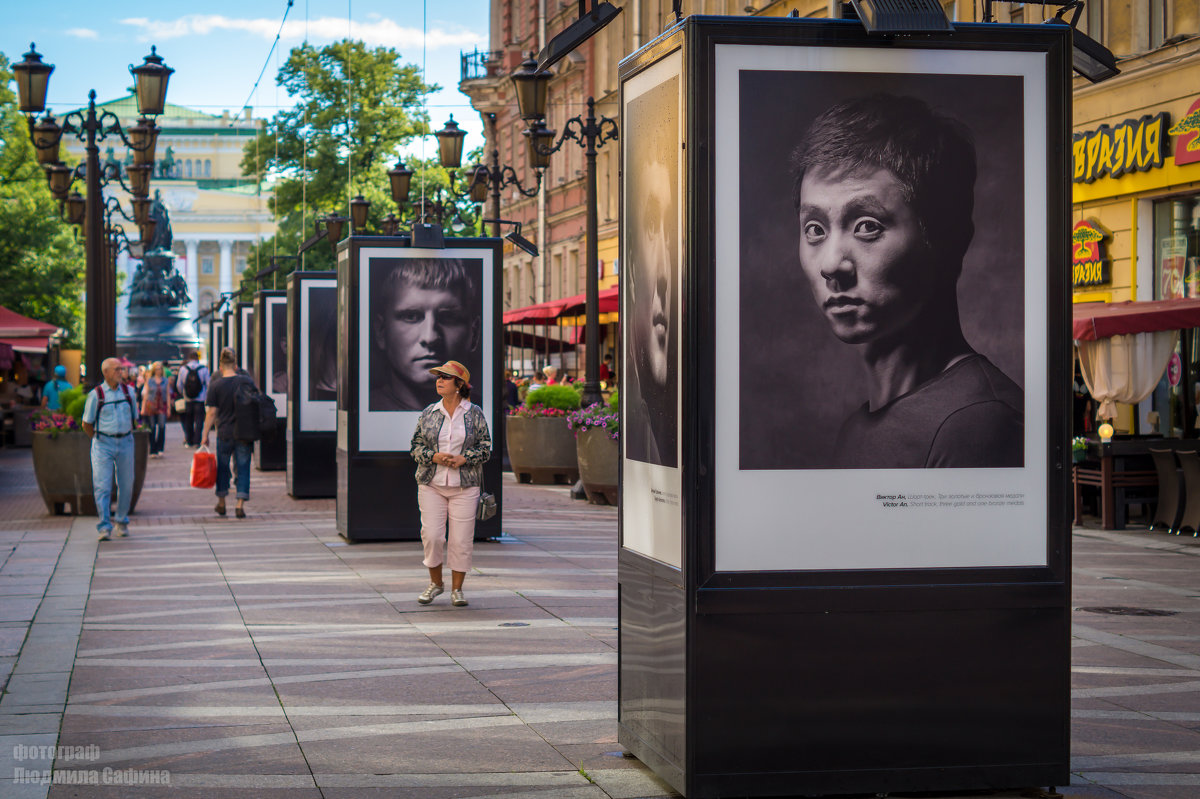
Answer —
(254, 413)
(193, 384)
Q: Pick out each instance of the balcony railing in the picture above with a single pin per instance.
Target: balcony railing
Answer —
(480, 64)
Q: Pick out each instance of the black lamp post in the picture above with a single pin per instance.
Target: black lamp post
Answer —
(150, 88)
(493, 178)
(532, 84)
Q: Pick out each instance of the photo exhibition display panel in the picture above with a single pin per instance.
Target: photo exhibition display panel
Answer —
(318, 355)
(275, 351)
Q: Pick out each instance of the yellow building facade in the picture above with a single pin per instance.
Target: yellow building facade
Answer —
(216, 214)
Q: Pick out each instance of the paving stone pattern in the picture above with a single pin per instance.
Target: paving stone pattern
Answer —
(266, 657)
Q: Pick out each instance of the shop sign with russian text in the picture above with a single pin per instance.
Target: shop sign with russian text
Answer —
(1090, 265)
(1135, 145)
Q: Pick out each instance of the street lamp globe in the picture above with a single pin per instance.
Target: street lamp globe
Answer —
(144, 138)
(334, 225)
(479, 183)
(539, 139)
(76, 207)
(450, 144)
(532, 86)
(139, 179)
(46, 136)
(33, 78)
(59, 177)
(401, 179)
(150, 84)
(141, 210)
(360, 206)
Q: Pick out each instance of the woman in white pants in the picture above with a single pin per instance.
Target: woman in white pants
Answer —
(450, 446)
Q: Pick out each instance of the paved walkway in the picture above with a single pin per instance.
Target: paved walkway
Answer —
(266, 657)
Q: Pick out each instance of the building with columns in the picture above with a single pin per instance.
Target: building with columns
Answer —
(216, 214)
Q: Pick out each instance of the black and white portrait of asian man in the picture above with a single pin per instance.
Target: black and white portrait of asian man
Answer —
(652, 247)
(424, 312)
(884, 201)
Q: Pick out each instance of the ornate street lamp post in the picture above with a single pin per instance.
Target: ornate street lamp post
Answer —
(531, 85)
(150, 88)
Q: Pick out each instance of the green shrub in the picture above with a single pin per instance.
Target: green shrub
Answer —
(563, 398)
(614, 402)
(72, 401)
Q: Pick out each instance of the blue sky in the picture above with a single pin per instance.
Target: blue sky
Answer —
(218, 47)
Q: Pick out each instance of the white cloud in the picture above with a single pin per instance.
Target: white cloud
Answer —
(377, 31)
(83, 33)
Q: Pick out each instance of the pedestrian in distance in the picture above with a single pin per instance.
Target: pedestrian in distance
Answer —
(109, 416)
(155, 406)
(55, 387)
(193, 384)
(450, 446)
(221, 413)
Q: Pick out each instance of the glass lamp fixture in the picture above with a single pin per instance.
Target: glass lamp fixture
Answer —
(359, 208)
(46, 136)
(59, 177)
(539, 139)
(76, 208)
(1106, 432)
(144, 137)
(334, 225)
(147, 231)
(532, 86)
(33, 79)
(450, 144)
(401, 179)
(479, 183)
(150, 80)
(139, 179)
(390, 225)
(141, 210)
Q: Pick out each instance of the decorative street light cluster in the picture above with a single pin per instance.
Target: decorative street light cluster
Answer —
(92, 210)
(532, 84)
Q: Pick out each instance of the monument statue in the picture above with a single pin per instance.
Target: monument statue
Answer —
(159, 327)
(166, 167)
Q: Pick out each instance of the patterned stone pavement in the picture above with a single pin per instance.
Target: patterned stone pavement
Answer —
(266, 657)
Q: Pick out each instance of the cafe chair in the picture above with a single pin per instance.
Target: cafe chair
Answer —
(1190, 462)
(1170, 496)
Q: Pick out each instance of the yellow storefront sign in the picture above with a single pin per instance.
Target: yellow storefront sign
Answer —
(1136, 145)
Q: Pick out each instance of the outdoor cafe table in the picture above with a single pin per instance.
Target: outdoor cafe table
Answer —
(1115, 468)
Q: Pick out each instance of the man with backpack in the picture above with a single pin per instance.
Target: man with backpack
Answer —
(192, 383)
(226, 396)
(109, 416)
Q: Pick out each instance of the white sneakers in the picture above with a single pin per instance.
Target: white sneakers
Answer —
(426, 596)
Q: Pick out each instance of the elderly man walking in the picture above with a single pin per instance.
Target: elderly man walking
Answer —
(109, 416)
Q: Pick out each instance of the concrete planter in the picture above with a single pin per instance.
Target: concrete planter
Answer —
(598, 453)
(63, 467)
(541, 451)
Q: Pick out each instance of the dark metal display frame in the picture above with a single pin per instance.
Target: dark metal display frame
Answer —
(271, 453)
(243, 339)
(844, 681)
(216, 340)
(311, 466)
(365, 475)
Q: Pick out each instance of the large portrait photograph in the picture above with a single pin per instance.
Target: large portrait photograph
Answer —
(884, 290)
(418, 309)
(318, 355)
(246, 336)
(275, 350)
(651, 276)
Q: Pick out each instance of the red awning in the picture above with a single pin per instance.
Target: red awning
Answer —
(36, 344)
(532, 341)
(13, 325)
(6, 356)
(1092, 321)
(547, 313)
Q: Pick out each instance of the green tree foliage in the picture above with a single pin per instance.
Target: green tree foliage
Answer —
(41, 264)
(356, 107)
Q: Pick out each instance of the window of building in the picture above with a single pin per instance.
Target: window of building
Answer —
(207, 168)
(206, 265)
(1177, 274)
(240, 265)
(1158, 23)
(187, 169)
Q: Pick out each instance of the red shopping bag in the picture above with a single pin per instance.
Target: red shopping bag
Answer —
(204, 469)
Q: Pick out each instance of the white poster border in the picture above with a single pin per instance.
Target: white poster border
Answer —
(316, 416)
(392, 431)
(837, 519)
(268, 369)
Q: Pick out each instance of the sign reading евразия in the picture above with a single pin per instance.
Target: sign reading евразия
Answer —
(1135, 145)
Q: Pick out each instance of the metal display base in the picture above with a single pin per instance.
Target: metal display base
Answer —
(271, 453)
(362, 479)
(311, 467)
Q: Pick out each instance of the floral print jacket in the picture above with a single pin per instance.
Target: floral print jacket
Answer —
(477, 448)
